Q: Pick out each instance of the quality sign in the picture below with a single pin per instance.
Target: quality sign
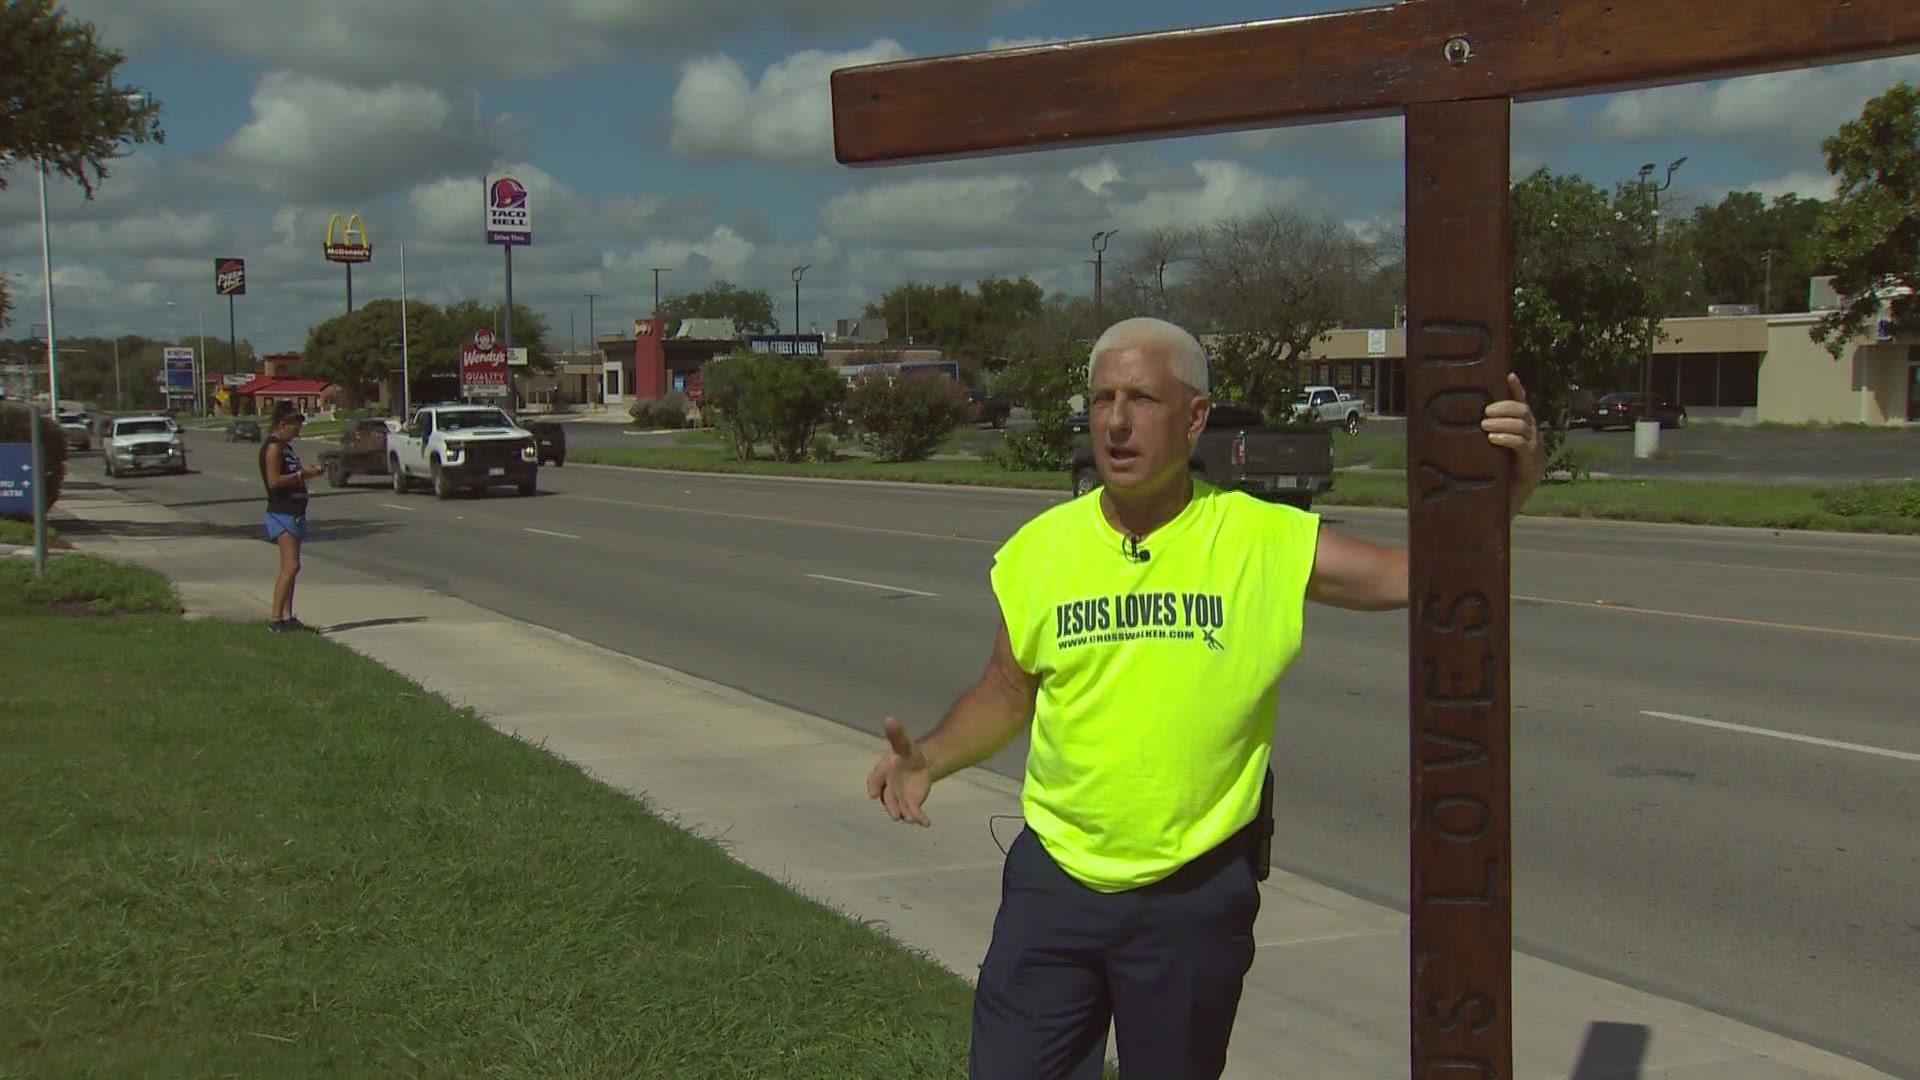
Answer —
(230, 277)
(346, 240)
(509, 219)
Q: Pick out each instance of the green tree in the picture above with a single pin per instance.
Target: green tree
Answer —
(1870, 233)
(1270, 285)
(726, 385)
(63, 107)
(1047, 369)
(974, 326)
(1583, 302)
(905, 418)
(1731, 245)
(796, 397)
(781, 401)
(356, 350)
(750, 309)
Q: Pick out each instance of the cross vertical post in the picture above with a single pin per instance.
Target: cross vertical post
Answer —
(1458, 340)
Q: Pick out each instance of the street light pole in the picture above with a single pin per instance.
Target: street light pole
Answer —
(46, 272)
(798, 272)
(657, 271)
(1653, 251)
(1099, 255)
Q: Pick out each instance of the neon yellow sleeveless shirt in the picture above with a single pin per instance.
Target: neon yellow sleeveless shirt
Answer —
(1158, 677)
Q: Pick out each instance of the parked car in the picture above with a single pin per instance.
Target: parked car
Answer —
(243, 429)
(1240, 451)
(362, 450)
(78, 429)
(1327, 405)
(551, 437)
(983, 407)
(152, 443)
(1626, 409)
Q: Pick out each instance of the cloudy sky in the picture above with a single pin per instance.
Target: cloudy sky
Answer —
(695, 135)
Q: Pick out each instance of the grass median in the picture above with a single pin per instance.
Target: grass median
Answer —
(235, 853)
(1867, 508)
(692, 457)
(1870, 508)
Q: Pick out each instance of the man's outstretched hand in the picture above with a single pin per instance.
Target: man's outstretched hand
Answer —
(1511, 424)
(901, 778)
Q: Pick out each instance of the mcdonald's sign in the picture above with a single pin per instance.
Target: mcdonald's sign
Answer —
(346, 240)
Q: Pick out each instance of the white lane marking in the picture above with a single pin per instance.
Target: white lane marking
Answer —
(871, 585)
(397, 506)
(544, 532)
(1811, 740)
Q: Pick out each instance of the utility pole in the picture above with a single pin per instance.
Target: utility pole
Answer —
(595, 341)
(1766, 298)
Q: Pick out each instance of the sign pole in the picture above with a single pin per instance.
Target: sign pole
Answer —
(39, 497)
(405, 378)
(349, 288)
(507, 326)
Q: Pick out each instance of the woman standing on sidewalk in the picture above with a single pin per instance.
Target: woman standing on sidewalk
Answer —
(286, 481)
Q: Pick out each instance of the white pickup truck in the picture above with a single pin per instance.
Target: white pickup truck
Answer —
(458, 448)
(137, 444)
(1327, 405)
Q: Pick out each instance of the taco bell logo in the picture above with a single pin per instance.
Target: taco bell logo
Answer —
(509, 217)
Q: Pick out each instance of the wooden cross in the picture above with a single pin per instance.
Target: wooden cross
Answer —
(1453, 68)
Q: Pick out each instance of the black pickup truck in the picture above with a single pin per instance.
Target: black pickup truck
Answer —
(1240, 451)
(362, 450)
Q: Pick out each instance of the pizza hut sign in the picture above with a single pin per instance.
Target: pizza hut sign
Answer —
(230, 277)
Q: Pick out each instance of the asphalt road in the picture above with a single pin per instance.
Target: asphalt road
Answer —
(1766, 878)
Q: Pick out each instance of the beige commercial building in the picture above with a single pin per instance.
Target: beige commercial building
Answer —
(1735, 368)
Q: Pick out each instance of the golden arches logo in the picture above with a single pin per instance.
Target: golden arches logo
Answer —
(352, 245)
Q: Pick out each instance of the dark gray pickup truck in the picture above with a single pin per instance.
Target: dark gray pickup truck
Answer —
(1240, 451)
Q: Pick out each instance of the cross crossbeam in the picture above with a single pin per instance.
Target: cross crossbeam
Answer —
(1339, 66)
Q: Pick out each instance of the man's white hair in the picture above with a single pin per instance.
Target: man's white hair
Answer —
(1181, 350)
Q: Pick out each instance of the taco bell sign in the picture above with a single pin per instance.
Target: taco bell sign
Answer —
(509, 220)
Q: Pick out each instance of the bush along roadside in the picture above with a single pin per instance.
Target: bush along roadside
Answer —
(83, 584)
(905, 418)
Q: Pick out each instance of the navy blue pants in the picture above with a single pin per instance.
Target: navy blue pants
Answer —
(1163, 963)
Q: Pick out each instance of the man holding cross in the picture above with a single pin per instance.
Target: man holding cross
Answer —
(1145, 627)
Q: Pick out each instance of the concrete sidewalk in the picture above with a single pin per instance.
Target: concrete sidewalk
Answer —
(784, 792)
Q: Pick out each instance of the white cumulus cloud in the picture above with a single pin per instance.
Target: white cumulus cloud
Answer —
(1788, 109)
(785, 116)
(440, 42)
(313, 139)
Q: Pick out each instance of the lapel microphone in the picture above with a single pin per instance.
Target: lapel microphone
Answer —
(1130, 547)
